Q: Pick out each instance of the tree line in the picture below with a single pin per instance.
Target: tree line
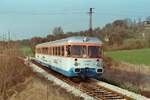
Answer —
(114, 33)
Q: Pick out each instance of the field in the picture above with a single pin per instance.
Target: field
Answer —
(138, 56)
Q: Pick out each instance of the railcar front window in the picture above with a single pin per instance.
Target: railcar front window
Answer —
(94, 51)
(78, 51)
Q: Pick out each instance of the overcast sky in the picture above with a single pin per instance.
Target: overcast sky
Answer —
(28, 18)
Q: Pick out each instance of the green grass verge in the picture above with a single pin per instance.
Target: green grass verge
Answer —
(26, 50)
(138, 56)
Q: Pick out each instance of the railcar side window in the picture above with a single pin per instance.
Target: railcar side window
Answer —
(53, 50)
(39, 50)
(59, 51)
(62, 50)
(56, 52)
(49, 52)
(45, 50)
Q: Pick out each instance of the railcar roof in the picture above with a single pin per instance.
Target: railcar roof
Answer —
(77, 39)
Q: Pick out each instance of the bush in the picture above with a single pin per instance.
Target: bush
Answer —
(108, 62)
(12, 71)
(133, 45)
(136, 44)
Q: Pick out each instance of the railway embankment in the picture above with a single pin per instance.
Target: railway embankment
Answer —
(132, 77)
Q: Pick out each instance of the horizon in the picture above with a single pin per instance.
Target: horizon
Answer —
(27, 19)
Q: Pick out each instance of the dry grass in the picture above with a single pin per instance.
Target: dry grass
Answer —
(141, 69)
(11, 48)
(12, 70)
(39, 89)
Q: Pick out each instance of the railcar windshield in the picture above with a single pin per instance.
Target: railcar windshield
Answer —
(84, 51)
(79, 51)
(94, 51)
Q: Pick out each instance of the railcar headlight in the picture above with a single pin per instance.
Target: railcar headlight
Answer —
(76, 64)
(99, 70)
(98, 64)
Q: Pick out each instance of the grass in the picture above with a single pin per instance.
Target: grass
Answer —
(138, 56)
(26, 50)
(118, 73)
(12, 71)
(42, 89)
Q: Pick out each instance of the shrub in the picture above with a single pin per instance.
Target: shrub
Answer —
(12, 71)
(136, 44)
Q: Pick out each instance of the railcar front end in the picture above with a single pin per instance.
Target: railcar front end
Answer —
(85, 60)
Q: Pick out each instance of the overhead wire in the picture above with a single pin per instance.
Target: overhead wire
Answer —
(77, 11)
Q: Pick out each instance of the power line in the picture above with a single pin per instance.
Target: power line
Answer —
(66, 12)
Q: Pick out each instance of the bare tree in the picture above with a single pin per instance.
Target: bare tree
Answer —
(58, 30)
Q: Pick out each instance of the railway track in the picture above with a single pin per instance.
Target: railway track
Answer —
(100, 92)
(89, 87)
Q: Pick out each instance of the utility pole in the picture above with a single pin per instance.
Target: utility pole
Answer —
(8, 35)
(3, 42)
(3, 37)
(90, 20)
(8, 44)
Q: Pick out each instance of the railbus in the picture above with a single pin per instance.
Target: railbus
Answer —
(73, 56)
